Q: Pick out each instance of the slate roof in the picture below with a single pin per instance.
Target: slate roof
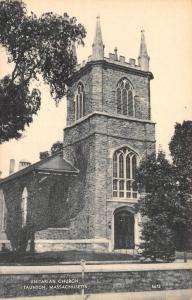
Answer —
(51, 164)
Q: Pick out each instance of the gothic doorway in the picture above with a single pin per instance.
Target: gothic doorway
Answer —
(124, 229)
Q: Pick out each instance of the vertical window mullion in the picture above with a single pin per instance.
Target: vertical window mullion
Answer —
(118, 165)
(124, 167)
(131, 175)
(118, 188)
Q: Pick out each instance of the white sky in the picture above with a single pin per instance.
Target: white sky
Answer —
(168, 31)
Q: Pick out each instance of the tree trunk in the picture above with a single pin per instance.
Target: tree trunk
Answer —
(185, 255)
(32, 243)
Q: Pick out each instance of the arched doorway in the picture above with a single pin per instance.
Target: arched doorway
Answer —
(123, 229)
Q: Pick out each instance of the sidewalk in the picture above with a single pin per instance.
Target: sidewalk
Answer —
(151, 295)
(94, 268)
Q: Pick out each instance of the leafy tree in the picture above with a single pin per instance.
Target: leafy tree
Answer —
(181, 151)
(56, 147)
(167, 204)
(35, 46)
(44, 154)
(156, 178)
(17, 106)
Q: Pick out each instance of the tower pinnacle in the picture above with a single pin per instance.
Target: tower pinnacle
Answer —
(98, 47)
(143, 58)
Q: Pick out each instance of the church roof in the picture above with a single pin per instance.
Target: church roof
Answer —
(52, 164)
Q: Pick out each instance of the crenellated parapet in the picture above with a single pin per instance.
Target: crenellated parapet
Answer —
(142, 63)
(130, 63)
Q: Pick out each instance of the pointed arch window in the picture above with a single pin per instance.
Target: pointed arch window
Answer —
(79, 102)
(125, 98)
(4, 213)
(24, 201)
(124, 173)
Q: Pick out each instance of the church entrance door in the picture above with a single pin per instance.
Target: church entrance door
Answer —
(124, 230)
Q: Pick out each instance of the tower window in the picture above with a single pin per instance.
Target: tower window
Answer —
(24, 207)
(125, 98)
(79, 102)
(124, 172)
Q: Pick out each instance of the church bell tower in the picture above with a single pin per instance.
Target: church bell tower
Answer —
(109, 129)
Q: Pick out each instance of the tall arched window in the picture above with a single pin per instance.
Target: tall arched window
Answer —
(24, 207)
(124, 172)
(4, 213)
(125, 98)
(79, 102)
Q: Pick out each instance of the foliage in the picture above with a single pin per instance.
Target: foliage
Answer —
(181, 151)
(35, 46)
(17, 106)
(55, 148)
(44, 154)
(156, 206)
(166, 202)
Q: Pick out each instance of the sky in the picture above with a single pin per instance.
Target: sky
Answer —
(168, 32)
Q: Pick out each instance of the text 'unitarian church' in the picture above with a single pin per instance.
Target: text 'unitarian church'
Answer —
(84, 198)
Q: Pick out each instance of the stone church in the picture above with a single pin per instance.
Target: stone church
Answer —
(84, 198)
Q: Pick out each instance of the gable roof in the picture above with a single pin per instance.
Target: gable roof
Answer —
(52, 164)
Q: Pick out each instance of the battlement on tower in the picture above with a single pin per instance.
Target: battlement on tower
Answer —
(98, 47)
(121, 60)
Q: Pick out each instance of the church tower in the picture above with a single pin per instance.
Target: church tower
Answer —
(109, 129)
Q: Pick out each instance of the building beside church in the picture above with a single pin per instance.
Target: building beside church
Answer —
(84, 198)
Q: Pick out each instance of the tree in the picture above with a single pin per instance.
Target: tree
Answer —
(181, 151)
(167, 204)
(155, 176)
(55, 148)
(44, 154)
(36, 46)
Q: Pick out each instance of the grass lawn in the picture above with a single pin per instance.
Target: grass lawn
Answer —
(51, 258)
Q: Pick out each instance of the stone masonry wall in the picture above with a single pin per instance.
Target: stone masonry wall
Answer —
(104, 134)
(100, 81)
(82, 155)
(38, 205)
(96, 282)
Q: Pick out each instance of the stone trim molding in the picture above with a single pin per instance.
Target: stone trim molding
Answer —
(58, 228)
(122, 200)
(93, 268)
(111, 135)
(109, 116)
(79, 241)
(106, 62)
